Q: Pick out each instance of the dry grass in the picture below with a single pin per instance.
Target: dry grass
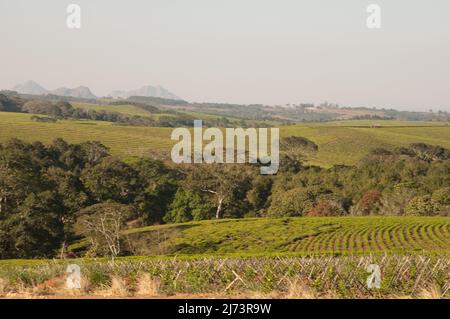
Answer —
(432, 293)
(54, 285)
(298, 289)
(257, 277)
(148, 285)
(117, 288)
(3, 286)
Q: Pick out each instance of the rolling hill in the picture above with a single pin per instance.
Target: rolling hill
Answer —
(301, 235)
(338, 144)
(146, 91)
(30, 87)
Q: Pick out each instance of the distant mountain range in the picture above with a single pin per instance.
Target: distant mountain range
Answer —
(31, 87)
(79, 92)
(147, 91)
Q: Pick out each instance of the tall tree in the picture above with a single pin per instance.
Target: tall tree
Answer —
(221, 181)
(103, 225)
(111, 179)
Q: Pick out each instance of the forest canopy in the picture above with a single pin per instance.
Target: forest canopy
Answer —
(45, 189)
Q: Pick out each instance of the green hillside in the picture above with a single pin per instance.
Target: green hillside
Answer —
(347, 144)
(338, 144)
(326, 235)
(125, 109)
(123, 140)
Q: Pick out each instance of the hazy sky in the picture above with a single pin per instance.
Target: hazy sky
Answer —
(239, 51)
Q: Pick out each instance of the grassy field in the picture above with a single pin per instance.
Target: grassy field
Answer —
(255, 258)
(347, 144)
(124, 109)
(338, 144)
(132, 110)
(263, 277)
(123, 140)
(295, 236)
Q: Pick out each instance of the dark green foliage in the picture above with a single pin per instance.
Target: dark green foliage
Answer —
(42, 187)
(111, 179)
(383, 183)
(158, 184)
(10, 104)
(259, 193)
(298, 143)
(187, 206)
(39, 191)
(35, 230)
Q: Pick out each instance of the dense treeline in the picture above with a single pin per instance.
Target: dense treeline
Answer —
(64, 110)
(45, 190)
(42, 189)
(154, 100)
(11, 104)
(147, 107)
(57, 109)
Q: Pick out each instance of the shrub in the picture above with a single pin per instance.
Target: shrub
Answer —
(422, 206)
(294, 202)
(369, 204)
(442, 199)
(442, 196)
(327, 207)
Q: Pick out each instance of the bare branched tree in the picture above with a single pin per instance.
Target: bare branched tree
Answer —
(219, 180)
(103, 225)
